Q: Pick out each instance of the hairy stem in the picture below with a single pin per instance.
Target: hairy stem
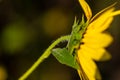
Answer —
(43, 57)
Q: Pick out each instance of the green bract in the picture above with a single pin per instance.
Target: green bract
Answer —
(63, 56)
(67, 55)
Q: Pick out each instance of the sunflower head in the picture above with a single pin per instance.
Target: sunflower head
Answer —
(94, 41)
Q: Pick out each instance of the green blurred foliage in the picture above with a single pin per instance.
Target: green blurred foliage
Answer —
(15, 36)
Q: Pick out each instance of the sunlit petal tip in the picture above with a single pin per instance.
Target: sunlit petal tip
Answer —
(106, 56)
(86, 9)
(115, 13)
(97, 75)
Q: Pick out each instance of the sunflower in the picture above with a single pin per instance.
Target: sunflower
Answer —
(94, 41)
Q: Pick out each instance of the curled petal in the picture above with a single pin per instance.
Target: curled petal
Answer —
(102, 11)
(97, 28)
(86, 9)
(101, 20)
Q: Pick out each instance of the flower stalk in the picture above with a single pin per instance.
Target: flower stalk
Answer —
(43, 57)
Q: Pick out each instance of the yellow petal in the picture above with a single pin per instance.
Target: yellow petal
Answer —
(82, 74)
(99, 54)
(97, 27)
(88, 66)
(97, 40)
(102, 12)
(86, 9)
(101, 20)
(115, 13)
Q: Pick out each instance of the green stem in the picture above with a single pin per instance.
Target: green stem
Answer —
(43, 57)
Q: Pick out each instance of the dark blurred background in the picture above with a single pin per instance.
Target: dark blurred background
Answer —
(28, 27)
